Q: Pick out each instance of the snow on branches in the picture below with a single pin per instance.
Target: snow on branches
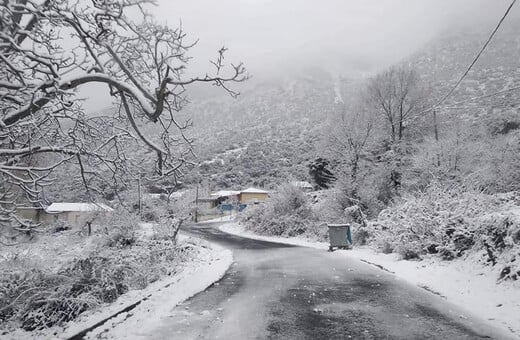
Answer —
(48, 50)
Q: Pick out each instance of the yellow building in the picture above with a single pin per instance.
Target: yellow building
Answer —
(252, 196)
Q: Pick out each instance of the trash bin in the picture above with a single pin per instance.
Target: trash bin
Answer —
(339, 236)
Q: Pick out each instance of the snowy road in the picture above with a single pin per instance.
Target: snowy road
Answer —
(275, 291)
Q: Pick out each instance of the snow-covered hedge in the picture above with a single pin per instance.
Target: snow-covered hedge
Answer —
(451, 222)
(287, 213)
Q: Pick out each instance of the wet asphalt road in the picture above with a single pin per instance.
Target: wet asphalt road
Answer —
(274, 291)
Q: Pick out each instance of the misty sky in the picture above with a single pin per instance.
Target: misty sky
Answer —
(350, 37)
(361, 34)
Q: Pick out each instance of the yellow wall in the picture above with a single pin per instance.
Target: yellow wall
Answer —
(247, 197)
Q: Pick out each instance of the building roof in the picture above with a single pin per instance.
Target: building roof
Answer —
(225, 193)
(254, 191)
(205, 199)
(67, 207)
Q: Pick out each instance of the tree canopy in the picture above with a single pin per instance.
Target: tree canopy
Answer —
(48, 50)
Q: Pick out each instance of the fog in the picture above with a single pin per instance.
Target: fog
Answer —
(348, 37)
(342, 35)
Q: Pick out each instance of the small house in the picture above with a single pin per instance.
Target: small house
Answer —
(225, 196)
(75, 214)
(252, 196)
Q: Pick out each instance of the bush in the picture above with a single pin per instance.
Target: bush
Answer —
(407, 251)
(35, 299)
(360, 236)
(120, 228)
(287, 213)
(40, 300)
(451, 222)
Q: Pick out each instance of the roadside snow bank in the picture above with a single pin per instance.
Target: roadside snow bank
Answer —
(223, 218)
(236, 229)
(210, 266)
(462, 282)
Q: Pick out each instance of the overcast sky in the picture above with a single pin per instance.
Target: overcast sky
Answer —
(341, 34)
(345, 36)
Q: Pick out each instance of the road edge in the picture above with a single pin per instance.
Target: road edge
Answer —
(191, 282)
(500, 326)
(209, 267)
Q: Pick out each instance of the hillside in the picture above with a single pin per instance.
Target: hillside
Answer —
(269, 134)
(443, 61)
(273, 130)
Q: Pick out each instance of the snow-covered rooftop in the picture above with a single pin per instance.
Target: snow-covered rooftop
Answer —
(66, 207)
(254, 191)
(225, 193)
(178, 194)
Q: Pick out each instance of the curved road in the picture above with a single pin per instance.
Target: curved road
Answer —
(276, 291)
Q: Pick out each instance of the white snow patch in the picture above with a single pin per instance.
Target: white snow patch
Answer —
(178, 194)
(234, 151)
(223, 218)
(214, 161)
(254, 191)
(65, 207)
(462, 282)
(338, 99)
(146, 230)
(225, 193)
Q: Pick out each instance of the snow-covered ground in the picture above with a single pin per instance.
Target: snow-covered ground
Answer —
(207, 266)
(223, 218)
(206, 269)
(462, 281)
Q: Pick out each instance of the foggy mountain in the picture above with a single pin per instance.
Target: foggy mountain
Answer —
(442, 62)
(271, 132)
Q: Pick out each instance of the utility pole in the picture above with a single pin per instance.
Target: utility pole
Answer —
(197, 203)
(139, 194)
(436, 132)
(435, 127)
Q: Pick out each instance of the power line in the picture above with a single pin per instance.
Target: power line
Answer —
(474, 60)
(511, 89)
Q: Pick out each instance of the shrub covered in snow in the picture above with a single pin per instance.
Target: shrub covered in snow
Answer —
(35, 296)
(287, 213)
(452, 222)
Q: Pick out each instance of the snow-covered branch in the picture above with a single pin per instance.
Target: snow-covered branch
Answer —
(49, 51)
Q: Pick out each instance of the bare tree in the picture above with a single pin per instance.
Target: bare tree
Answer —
(48, 50)
(350, 135)
(397, 95)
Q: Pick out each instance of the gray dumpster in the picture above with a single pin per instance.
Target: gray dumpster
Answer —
(339, 236)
